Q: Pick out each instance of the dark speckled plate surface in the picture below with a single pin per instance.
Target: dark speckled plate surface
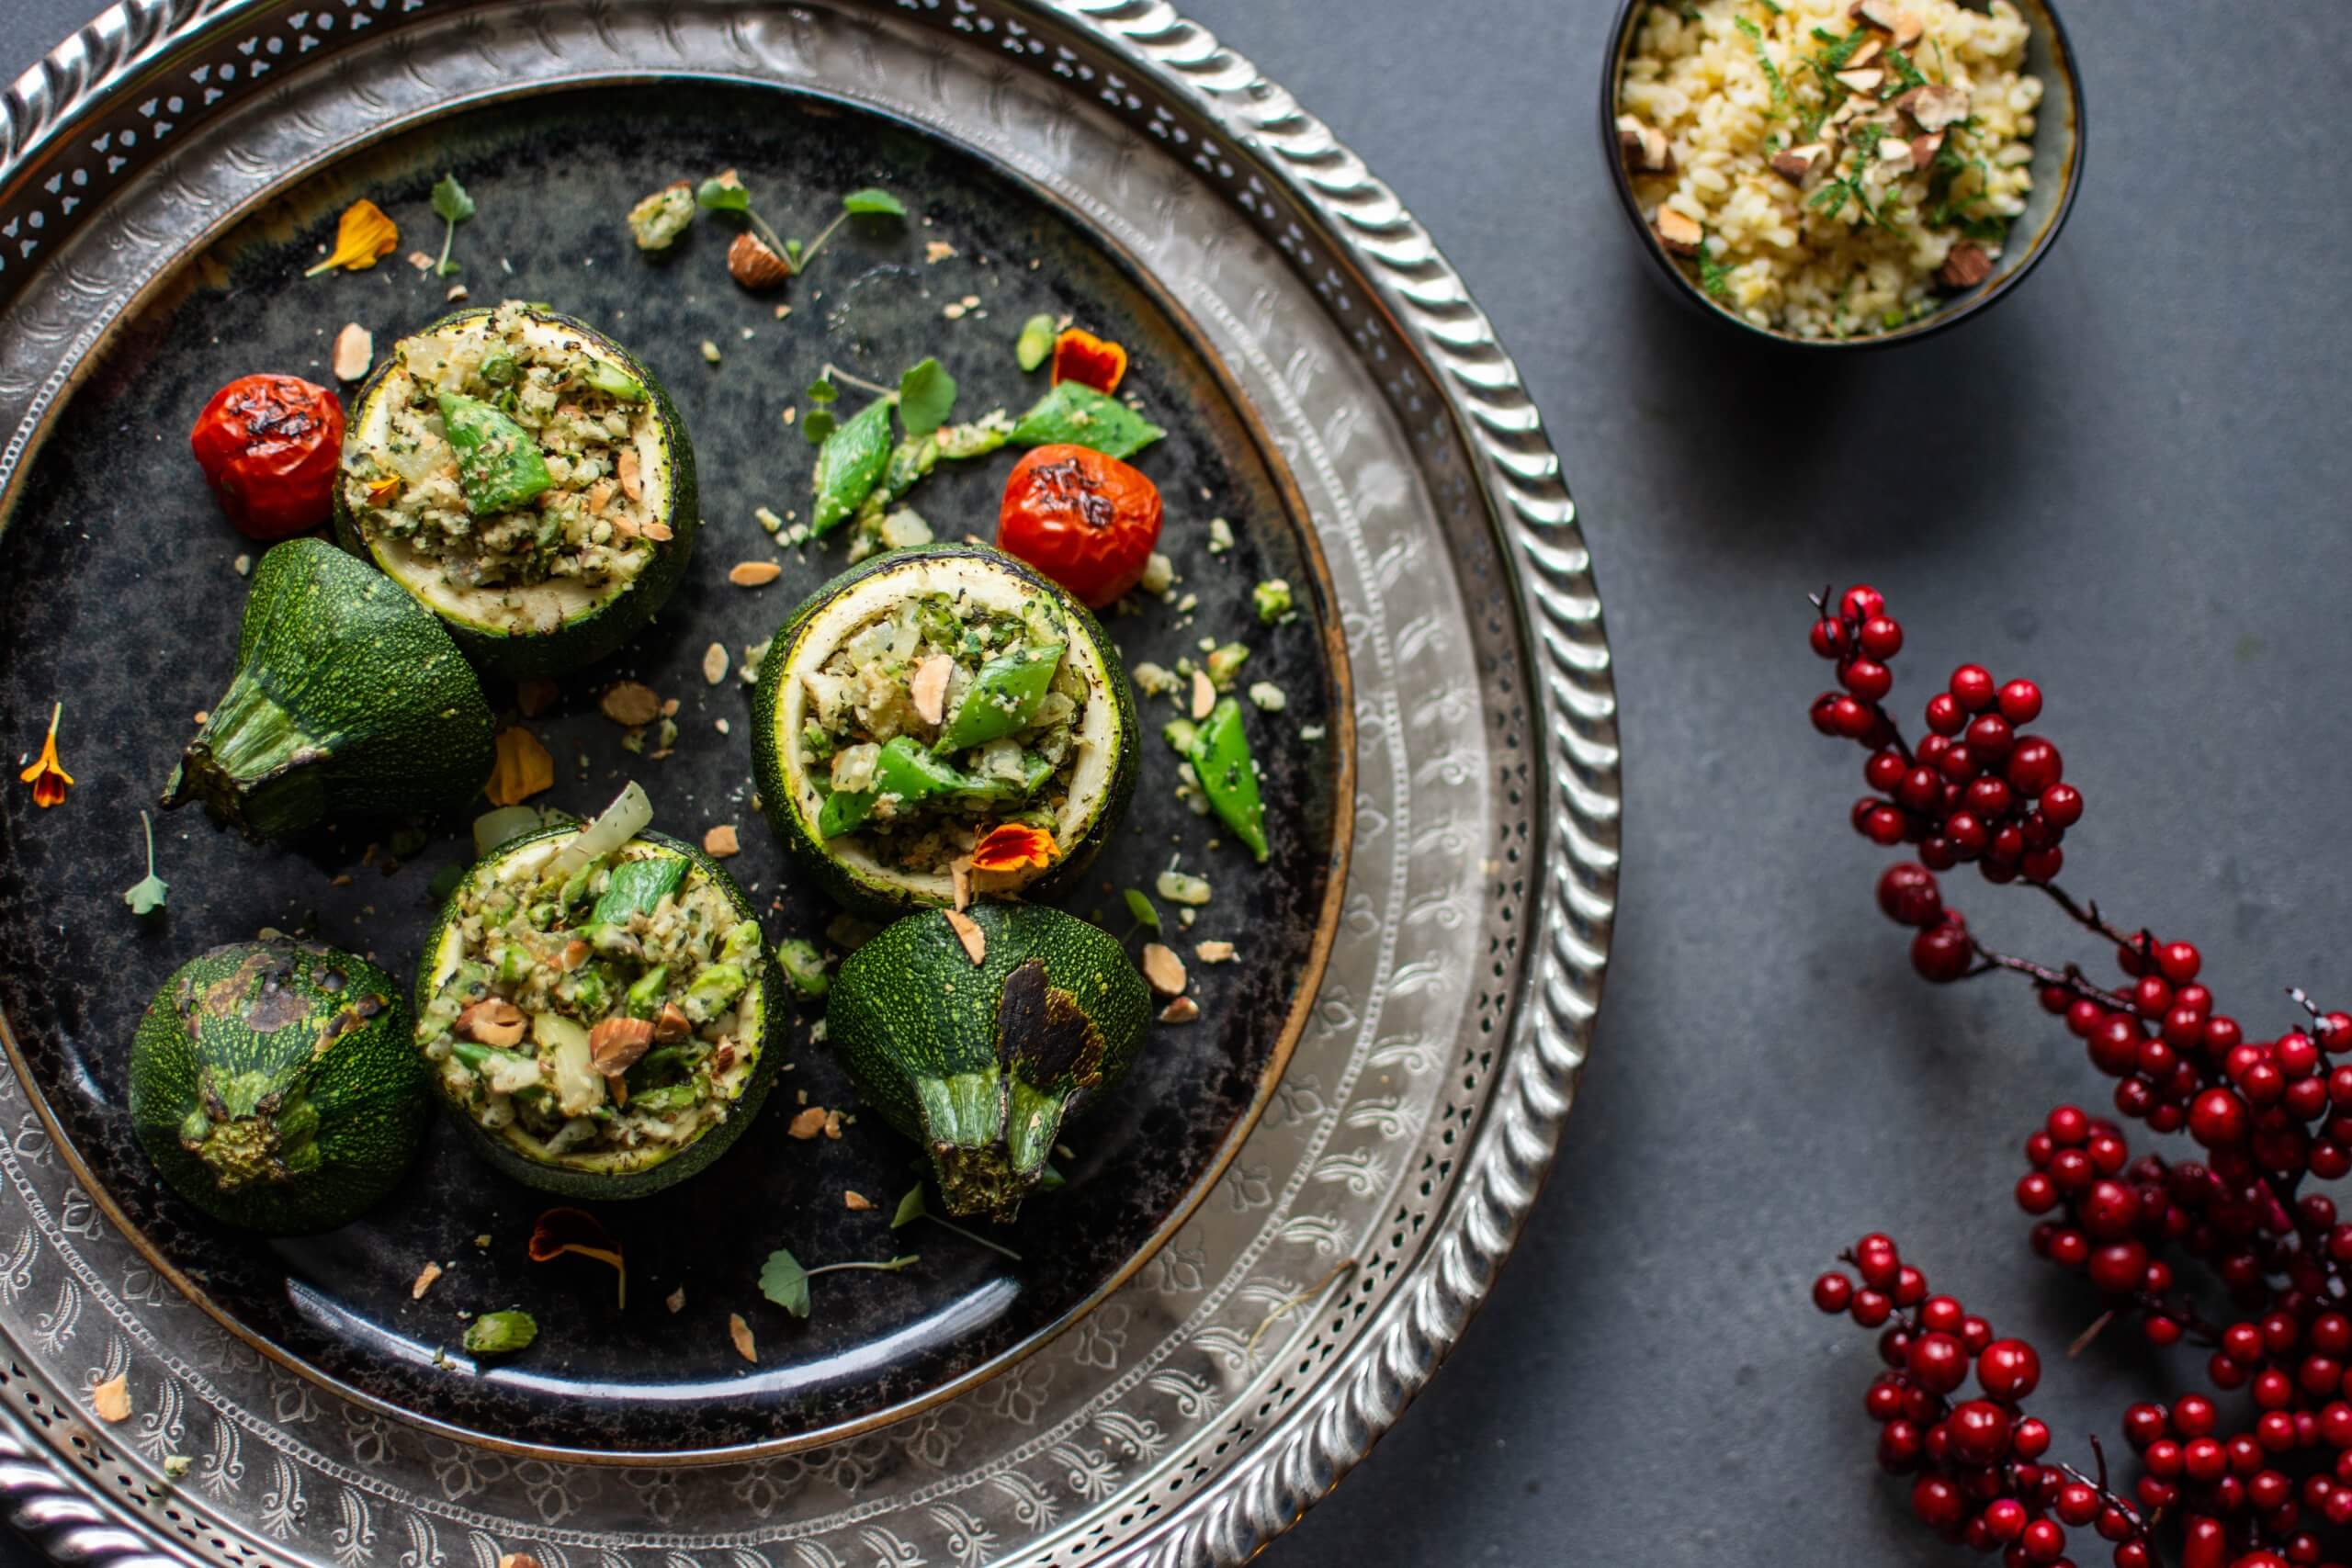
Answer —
(118, 596)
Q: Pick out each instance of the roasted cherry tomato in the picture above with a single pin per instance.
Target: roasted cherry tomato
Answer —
(268, 445)
(1087, 520)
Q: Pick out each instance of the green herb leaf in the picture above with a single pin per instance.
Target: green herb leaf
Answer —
(500, 1333)
(1755, 35)
(822, 391)
(819, 424)
(1903, 68)
(1076, 413)
(849, 465)
(147, 894)
(926, 396)
(910, 1209)
(1715, 277)
(873, 200)
(1140, 907)
(784, 1283)
(723, 194)
(451, 200)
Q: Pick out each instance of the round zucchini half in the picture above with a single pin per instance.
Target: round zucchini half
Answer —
(1095, 782)
(535, 586)
(459, 969)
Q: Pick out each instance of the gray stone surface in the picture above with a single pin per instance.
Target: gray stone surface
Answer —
(2130, 483)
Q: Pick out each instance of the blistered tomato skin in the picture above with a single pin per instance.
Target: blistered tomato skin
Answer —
(1087, 520)
(268, 446)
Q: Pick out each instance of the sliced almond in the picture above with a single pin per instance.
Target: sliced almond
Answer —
(111, 1399)
(355, 350)
(856, 1201)
(1937, 105)
(754, 573)
(676, 1300)
(656, 532)
(1163, 969)
(959, 878)
(1965, 265)
(929, 687)
(493, 1021)
(1867, 80)
(807, 1124)
(1678, 231)
(625, 467)
(615, 1044)
(968, 931)
(425, 1278)
(1204, 694)
(720, 841)
(1214, 952)
(672, 1025)
(714, 663)
(1796, 163)
(741, 1333)
(630, 704)
(1183, 1010)
(600, 496)
(1868, 51)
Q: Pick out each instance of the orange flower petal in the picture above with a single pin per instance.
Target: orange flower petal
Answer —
(1012, 846)
(361, 235)
(523, 768)
(1089, 360)
(49, 779)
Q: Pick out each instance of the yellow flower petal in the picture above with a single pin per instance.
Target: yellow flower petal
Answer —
(361, 235)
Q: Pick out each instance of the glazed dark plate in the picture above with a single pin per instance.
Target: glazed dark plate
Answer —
(119, 596)
(2060, 138)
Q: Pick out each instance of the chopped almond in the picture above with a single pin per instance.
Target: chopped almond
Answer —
(676, 1300)
(1935, 106)
(959, 877)
(720, 841)
(1925, 148)
(857, 1201)
(1204, 694)
(111, 1399)
(1966, 266)
(1183, 1010)
(929, 687)
(575, 952)
(600, 496)
(807, 1124)
(1867, 51)
(1645, 149)
(630, 704)
(615, 1044)
(1163, 969)
(1879, 14)
(672, 1025)
(493, 1021)
(1678, 231)
(714, 663)
(625, 467)
(1795, 162)
(425, 1278)
(1867, 80)
(752, 263)
(754, 573)
(355, 350)
(741, 1333)
(968, 931)
(1214, 952)
(1909, 28)
(833, 1125)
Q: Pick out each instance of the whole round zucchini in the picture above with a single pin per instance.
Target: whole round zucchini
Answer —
(526, 478)
(984, 1063)
(348, 701)
(275, 1087)
(599, 1029)
(926, 697)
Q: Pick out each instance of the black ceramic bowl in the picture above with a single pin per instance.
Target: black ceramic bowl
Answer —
(2057, 173)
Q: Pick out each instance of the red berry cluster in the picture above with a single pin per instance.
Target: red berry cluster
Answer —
(2271, 1116)
(1977, 1461)
(1975, 787)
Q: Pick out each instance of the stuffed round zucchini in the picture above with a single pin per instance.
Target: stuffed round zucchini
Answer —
(594, 1005)
(939, 714)
(526, 480)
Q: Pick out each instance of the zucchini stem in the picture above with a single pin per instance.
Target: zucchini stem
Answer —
(252, 766)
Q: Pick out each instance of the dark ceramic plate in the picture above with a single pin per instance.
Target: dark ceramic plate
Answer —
(118, 595)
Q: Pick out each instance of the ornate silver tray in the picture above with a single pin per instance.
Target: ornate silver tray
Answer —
(1260, 1353)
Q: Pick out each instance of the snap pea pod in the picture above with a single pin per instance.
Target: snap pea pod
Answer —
(645, 995)
(482, 1058)
(613, 381)
(1220, 756)
(1004, 698)
(714, 991)
(850, 464)
(911, 774)
(673, 1096)
(498, 466)
(589, 991)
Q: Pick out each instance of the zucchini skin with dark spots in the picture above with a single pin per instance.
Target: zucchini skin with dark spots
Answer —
(274, 1085)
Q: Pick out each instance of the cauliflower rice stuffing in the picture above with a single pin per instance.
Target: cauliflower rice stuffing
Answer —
(1825, 169)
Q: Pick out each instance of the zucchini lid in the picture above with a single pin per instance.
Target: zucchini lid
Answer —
(622, 1172)
(548, 627)
(1100, 784)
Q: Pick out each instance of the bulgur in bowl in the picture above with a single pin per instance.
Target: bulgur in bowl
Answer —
(1842, 173)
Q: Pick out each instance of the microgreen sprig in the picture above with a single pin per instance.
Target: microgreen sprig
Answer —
(453, 206)
(726, 192)
(146, 896)
(785, 1281)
